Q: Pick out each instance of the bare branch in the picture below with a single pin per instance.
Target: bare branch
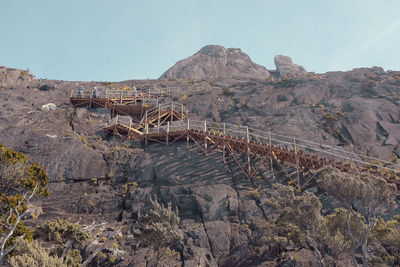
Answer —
(89, 259)
(12, 227)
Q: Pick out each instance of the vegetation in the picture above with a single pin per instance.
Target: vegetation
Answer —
(20, 180)
(299, 223)
(33, 255)
(356, 229)
(65, 235)
(360, 193)
(159, 228)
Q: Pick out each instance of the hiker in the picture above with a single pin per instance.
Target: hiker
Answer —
(133, 89)
(97, 92)
(94, 93)
(80, 91)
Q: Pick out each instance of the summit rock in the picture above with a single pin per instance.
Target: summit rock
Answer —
(284, 65)
(214, 61)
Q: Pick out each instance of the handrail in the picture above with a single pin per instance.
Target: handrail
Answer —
(298, 140)
(120, 93)
(276, 139)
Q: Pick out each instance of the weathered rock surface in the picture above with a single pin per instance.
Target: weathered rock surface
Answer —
(284, 65)
(222, 219)
(214, 61)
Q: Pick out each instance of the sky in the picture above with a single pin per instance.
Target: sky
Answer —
(115, 40)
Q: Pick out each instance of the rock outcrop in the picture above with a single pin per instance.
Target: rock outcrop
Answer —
(284, 65)
(14, 76)
(214, 61)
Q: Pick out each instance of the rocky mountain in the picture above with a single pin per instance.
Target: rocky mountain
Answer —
(101, 178)
(214, 61)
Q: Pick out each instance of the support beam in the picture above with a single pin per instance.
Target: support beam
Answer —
(297, 163)
(270, 152)
(187, 133)
(159, 114)
(147, 132)
(172, 111)
(205, 137)
(260, 164)
(232, 153)
(248, 151)
(167, 137)
(182, 115)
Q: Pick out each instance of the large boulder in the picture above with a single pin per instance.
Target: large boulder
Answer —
(49, 107)
(214, 61)
(284, 65)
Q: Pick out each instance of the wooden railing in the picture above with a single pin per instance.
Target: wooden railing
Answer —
(118, 94)
(297, 145)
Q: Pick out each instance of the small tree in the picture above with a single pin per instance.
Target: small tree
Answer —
(65, 234)
(299, 222)
(387, 235)
(159, 228)
(363, 192)
(33, 255)
(20, 180)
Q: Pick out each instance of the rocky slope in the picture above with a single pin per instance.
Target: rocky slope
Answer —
(91, 172)
(214, 61)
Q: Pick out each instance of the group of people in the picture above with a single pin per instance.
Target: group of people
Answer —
(96, 91)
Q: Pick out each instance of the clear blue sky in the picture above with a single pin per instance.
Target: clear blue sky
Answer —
(117, 40)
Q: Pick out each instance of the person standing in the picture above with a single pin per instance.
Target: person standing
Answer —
(133, 89)
(80, 91)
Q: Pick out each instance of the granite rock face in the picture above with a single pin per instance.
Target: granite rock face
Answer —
(284, 65)
(91, 173)
(214, 61)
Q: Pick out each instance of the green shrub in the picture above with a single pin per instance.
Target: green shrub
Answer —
(73, 258)
(33, 255)
(60, 231)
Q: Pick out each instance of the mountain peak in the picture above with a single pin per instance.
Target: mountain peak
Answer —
(215, 61)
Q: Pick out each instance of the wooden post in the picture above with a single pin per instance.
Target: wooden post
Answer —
(172, 111)
(145, 118)
(121, 96)
(270, 151)
(205, 137)
(167, 133)
(297, 163)
(352, 164)
(223, 146)
(187, 133)
(90, 101)
(149, 91)
(146, 131)
(159, 116)
(182, 116)
(130, 126)
(248, 151)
